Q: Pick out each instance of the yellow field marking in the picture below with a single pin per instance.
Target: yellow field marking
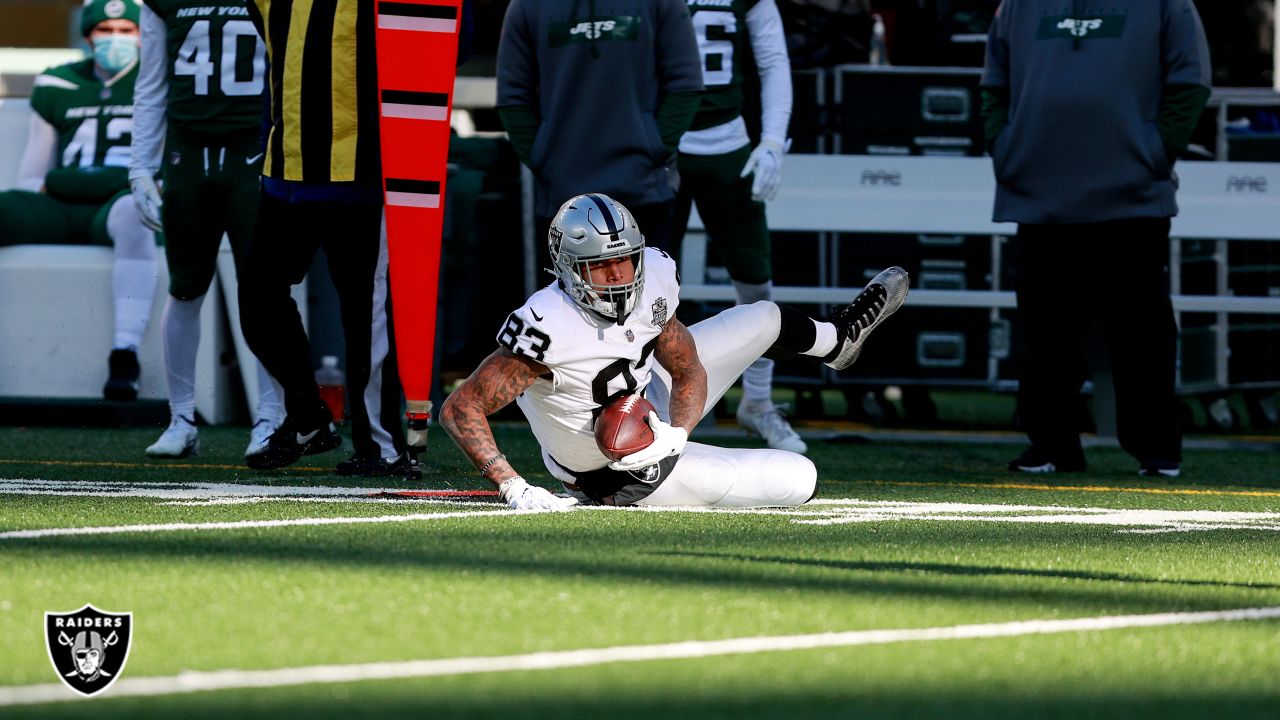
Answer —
(150, 466)
(1083, 488)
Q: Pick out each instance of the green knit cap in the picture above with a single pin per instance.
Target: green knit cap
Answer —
(95, 11)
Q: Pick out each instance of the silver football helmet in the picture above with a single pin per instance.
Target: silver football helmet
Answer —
(592, 228)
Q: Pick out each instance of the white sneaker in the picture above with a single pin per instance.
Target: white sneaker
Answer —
(177, 441)
(259, 435)
(766, 420)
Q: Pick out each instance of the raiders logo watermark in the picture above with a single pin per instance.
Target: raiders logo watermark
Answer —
(88, 647)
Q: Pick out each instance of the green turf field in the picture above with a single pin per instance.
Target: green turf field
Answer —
(924, 582)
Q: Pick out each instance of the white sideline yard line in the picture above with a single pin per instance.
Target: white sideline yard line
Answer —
(825, 512)
(189, 682)
(844, 513)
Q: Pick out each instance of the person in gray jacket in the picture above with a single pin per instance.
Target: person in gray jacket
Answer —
(597, 101)
(1086, 106)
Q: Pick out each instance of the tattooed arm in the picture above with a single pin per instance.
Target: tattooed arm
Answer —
(678, 354)
(500, 378)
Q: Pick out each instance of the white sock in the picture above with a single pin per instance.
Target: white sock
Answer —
(270, 395)
(757, 381)
(181, 340)
(133, 285)
(826, 340)
(133, 273)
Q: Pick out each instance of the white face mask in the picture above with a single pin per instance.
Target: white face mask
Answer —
(113, 53)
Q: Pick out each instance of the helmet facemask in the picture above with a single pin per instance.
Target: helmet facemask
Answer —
(593, 231)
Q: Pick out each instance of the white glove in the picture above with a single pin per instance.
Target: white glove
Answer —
(766, 163)
(146, 197)
(667, 440)
(520, 495)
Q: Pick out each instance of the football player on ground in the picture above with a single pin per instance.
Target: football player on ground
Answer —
(73, 182)
(730, 182)
(200, 100)
(607, 327)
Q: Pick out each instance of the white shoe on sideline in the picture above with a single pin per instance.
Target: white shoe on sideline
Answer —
(766, 420)
(179, 440)
(259, 435)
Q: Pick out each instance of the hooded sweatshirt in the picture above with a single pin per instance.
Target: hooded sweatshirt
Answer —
(595, 75)
(1096, 96)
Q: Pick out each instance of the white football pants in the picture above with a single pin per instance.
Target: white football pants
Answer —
(731, 477)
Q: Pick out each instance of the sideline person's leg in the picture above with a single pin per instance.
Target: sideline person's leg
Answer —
(285, 239)
(192, 232)
(357, 257)
(1053, 324)
(133, 289)
(29, 218)
(240, 176)
(1143, 339)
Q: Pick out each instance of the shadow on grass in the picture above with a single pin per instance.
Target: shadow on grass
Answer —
(849, 700)
(970, 570)
(628, 556)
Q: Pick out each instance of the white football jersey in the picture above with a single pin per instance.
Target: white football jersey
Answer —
(590, 359)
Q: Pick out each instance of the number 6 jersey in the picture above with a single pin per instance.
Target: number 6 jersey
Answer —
(591, 360)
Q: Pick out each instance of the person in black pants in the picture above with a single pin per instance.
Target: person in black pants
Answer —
(1060, 294)
(322, 188)
(286, 239)
(1085, 167)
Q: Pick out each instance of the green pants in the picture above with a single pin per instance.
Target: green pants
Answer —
(735, 223)
(38, 219)
(210, 188)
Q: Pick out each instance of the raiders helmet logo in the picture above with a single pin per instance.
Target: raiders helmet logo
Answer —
(556, 238)
(88, 647)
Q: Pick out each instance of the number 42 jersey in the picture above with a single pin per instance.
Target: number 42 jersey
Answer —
(591, 360)
(217, 65)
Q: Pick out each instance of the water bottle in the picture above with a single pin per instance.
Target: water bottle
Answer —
(333, 387)
(879, 50)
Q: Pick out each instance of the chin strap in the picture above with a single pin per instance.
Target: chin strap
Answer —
(619, 309)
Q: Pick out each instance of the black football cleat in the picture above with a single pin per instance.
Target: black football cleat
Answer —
(1033, 460)
(122, 378)
(878, 300)
(361, 466)
(292, 440)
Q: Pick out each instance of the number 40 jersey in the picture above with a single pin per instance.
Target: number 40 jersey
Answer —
(217, 65)
(591, 360)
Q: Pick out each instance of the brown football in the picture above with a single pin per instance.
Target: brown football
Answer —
(622, 427)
